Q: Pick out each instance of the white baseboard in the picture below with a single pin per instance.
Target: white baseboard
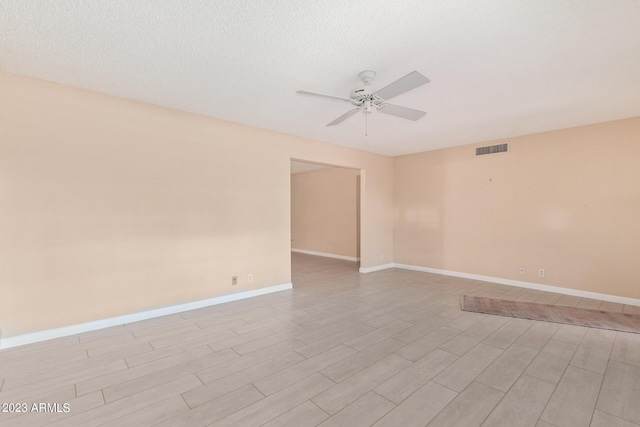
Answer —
(521, 284)
(324, 254)
(134, 317)
(376, 268)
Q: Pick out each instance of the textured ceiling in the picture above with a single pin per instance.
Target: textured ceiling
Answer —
(498, 68)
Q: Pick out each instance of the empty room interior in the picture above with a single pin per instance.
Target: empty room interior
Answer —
(330, 213)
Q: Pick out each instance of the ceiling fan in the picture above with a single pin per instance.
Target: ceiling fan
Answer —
(366, 98)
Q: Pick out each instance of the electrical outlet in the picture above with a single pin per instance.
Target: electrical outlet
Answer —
(541, 272)
(250, 277)
(234, 280)
(381, 257)
(522, 270)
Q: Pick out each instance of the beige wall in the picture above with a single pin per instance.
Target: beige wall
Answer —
(110, 206)
(324, 211)
(567, 201)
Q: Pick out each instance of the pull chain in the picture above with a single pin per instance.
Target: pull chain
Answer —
(366, 123)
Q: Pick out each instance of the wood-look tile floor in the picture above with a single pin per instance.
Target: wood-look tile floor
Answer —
(390, 348)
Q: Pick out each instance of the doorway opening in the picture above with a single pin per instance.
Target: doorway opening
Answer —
(325, 214)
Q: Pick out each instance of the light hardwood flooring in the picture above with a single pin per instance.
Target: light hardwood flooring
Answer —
(390, 348)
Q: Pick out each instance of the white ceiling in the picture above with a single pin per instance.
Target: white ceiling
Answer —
(498, 68)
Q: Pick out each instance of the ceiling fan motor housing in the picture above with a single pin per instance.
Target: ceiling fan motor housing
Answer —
(362, 93)
(367, 93)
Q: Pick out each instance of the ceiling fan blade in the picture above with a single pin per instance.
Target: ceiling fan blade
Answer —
(404, 112)
(343, 117)
(400, 86)
(306, 92)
